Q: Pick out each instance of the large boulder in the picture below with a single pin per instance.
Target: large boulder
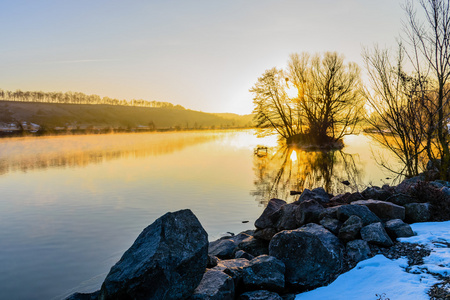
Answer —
(264, 273)
(397, 228)
(167, 261)
(255, 247)
(367, 217)
(224, 248)
(384, 210)
(234, 268)
(318, 194)
(215, 285)
(312, 255)
(375, 192)
(288, 217)
(417, 212)
(269, 214)
(332, 225)
(265, 234)
(375, 234)
(260, 295)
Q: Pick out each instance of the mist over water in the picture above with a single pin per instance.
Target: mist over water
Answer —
(72, 205)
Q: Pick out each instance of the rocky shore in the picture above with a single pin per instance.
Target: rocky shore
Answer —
(295, 247)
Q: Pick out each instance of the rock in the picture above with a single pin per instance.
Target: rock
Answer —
(233, 268)
(260, 295)
(312, 255)
(215, 285)
(255, 247)
(401, 199)
(417, 212)
(384, 210)
(397, 228)
(212, 261)
(288, 217)
(223, 249)
(330, 212)
(345, 211)
(376, 192)
(243, 254)
(288, 296)
(309, 211)
(332, 225)
(265, 234)
(267, 217)
(350, 229)
(358, 250)
(318, 194)
(167, 261)
(375, 234)
(264, 272)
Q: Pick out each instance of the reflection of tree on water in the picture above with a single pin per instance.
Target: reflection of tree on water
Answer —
(286, 169)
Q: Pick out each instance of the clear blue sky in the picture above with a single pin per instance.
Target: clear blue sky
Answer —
(204, 55)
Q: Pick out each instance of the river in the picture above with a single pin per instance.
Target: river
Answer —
(71, 205)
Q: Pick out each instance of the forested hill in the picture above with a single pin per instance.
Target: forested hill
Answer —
(52, 115)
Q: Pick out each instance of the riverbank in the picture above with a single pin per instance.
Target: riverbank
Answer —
(296, 247)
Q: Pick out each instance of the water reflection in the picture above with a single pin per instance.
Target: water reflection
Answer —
(282, 169)
(26, 154)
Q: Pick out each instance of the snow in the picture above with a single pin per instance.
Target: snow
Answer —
(382, 278)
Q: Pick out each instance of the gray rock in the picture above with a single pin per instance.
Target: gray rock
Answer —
(417, 212)
(167, 261)
(215, 285)
(312, 255)
(318, 194)
(375, 234)
(243, 254)
(384, 210)
(223, 249)
(234, 268)
(332, 225)
(350, 229)
(330, 212)
(212, 261)
(345, 211)
(260, 295)
(358, 250)
(288, 217)
(255, 247)
(264, 272)
(397, 228)
(268, 217)
(401, 199)
(309, 211)
(376, 192)
(265, 234)
(84, 296)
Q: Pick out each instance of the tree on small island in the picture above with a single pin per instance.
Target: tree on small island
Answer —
(315, 101)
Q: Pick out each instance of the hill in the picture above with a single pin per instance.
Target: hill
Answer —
(53, 115)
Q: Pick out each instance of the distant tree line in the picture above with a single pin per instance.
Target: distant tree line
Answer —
(77, 98)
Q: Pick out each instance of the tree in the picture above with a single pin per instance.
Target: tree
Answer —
(328, 101)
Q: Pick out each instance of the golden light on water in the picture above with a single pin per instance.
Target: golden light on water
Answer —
(293, 156)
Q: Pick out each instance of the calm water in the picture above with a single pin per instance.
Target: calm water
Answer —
(70, 206)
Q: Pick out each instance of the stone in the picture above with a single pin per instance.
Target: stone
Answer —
(84, 296)
(312, 255)
(255, 247)
(384, 210)
(358, 250)
(233, 268)
(376, 193)
(260, 295)
(345, 211)
(397, 228)
(215, 285)
(401, 199)
(243, 254)
(417, 212)
(332, 225)
(267, 217)
(330, 212)
(350, 229)
(375, 234)
(318, 194)
(212, 261)
(265, 234)
(309, 211)
(167, 261)
(264, 273)
(223, 249)
(288, 217)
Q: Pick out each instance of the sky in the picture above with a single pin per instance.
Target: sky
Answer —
(202, 54)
